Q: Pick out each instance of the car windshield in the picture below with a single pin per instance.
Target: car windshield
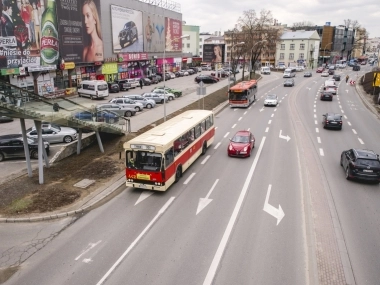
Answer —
(102, 87)
(240, 139)
(271, 97)
(368, 162)
(334, 117)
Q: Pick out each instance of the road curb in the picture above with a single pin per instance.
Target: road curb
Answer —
(359, 89)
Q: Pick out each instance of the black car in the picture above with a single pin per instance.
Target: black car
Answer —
(331, 72)
(332, 121)
(155, 78)
(128, 35)
(113, 87)
(146, 81)
(336, 77)
(326, 96)
(123, 84)
(361, 163)
(289, 82)
(12, 146)
(206, 79)
(307, 74)
(356, 68)
(5, 119)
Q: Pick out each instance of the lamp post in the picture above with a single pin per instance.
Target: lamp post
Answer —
(229, 62)
(164, 71)
(250, 72)
(324, 51)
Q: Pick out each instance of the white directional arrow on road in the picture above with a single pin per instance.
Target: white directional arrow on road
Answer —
(143, 196)
(277, 213)
(262, 109)
(203, 202)
(287, 138)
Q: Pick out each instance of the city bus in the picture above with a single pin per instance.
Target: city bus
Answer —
(157, 158)
(242, 94)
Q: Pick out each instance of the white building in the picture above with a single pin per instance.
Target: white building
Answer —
(298, 48)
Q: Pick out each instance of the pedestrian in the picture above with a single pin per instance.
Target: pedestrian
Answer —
(347, 77)
(141, 83)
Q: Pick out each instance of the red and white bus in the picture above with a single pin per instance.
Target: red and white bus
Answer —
(157, 158)
(242, 94)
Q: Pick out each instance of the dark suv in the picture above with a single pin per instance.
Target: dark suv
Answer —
(123, 84)
(361, 163)
(332, 120)
(128, 34)
(12, 146)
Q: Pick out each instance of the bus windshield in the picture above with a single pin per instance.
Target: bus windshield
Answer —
(238, 95)
(144, 160)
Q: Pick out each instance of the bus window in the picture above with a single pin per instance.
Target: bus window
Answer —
(197, 131)
(203, 126)
(209, 122)
(177, 146)
(169, 157)
(190, 135)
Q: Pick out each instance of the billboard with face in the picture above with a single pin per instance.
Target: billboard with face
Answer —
(79, 30)
(127, 30)
(154, 32)
(213, 53)
(173, 32)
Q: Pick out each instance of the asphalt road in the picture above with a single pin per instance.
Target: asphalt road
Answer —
(238, 238)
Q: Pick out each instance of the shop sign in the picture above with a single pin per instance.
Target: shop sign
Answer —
(111, 59)
(133, 56)
(97, 63)
(109, 68)
(69, 65)
(10, 71)
(41, 68)
(22, 70)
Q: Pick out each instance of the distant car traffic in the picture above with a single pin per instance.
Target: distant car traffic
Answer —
(271, 100)
(289, 82)
(325, 74)
(54, 134)
(326, 96)
(241, 144)
(118, 109)
(176, 92)
(307, 74)
(320, 69)
(336, 77)
(128, 35)
(362, 164)
(332, 121)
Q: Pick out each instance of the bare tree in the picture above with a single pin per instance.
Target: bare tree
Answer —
(361, 34)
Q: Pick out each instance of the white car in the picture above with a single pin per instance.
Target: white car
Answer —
(325, 74)
(185, 73)
(271, 100)
(300, 68)
(172, 75)
(168, 95)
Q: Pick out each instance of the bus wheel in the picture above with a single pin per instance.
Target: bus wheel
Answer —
(204, 148)
(178, 174)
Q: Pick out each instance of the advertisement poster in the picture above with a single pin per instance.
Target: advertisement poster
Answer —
(154, 33)
(173, 30)
(127, 30)
(20, 33)
(213, 53)
(80, 34)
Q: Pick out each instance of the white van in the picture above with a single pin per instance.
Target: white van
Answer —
(93, 89)
(265, 70)
(289, 72)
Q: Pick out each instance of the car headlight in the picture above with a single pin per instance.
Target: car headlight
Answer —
(230, 147)
(245, 149)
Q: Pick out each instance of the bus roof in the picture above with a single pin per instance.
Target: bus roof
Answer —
(170, 130)
(243, 85)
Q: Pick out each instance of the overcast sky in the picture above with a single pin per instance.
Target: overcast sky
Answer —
(221, 15)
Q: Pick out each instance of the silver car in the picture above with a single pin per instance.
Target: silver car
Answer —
(158, 98)
(147, 103)
(126, 102)
(117, 109)
(54, 134)
(170, 96)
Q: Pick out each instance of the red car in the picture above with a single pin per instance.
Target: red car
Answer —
(241, 144)
(320, 69)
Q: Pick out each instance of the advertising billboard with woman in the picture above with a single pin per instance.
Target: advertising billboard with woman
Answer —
(213, 53)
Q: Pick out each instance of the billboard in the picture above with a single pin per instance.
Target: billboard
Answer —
(213, 52)
(127, 30)
(154, 32)
(79, 30)
(173, 32)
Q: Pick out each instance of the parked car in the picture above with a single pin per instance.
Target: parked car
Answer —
(123, 84)
(190, 71)
(281, 67)
(271, 100)
(331, 72)
(332, 121)
(12, 146)
(220, 73)
(176, 92)
(300, 68)
(155, 78)
(325, 74)
(289, 82)
(320, 69)
(128, 103)
(356, 68)
(307, 74)
(185, 72)
(172, 75)
(241, 144)
(326, 96)
(98, 116)
(113, 87)
(146, 81)
(169, 95)
(118, 109)
(128, 35)
(206, 79)
(54, 134)
(362, 164)
(147, 103)
(158, 98)
(135, 82)
(5, 119)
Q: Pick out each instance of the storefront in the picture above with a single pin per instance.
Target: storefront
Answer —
(110, 71)
(133, 65)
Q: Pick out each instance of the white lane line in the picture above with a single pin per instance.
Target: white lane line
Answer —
(205, 160)
(89, 247)
(315, 121)
(216, 128)
(321, 153)
(267, 129)
(315, 106)
(280, 101)
(345, 117)
(245, 112)
(226, 134)
(223, 243)
(349, 123)
(233, 126)
(269, 122)
(275, 109)
(353, 130)
(340, 106)
(319, 139)
(240, 118)
(160, 212)
(315, 110)
(342, 111)
(316, 130)
(315, 116)
(360, 140)
(189, 178)
(315, 102)
(217, 145)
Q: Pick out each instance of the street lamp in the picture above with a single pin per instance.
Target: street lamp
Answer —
(164, 72)
(250, 72)
(324, 51)
(229, 62)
